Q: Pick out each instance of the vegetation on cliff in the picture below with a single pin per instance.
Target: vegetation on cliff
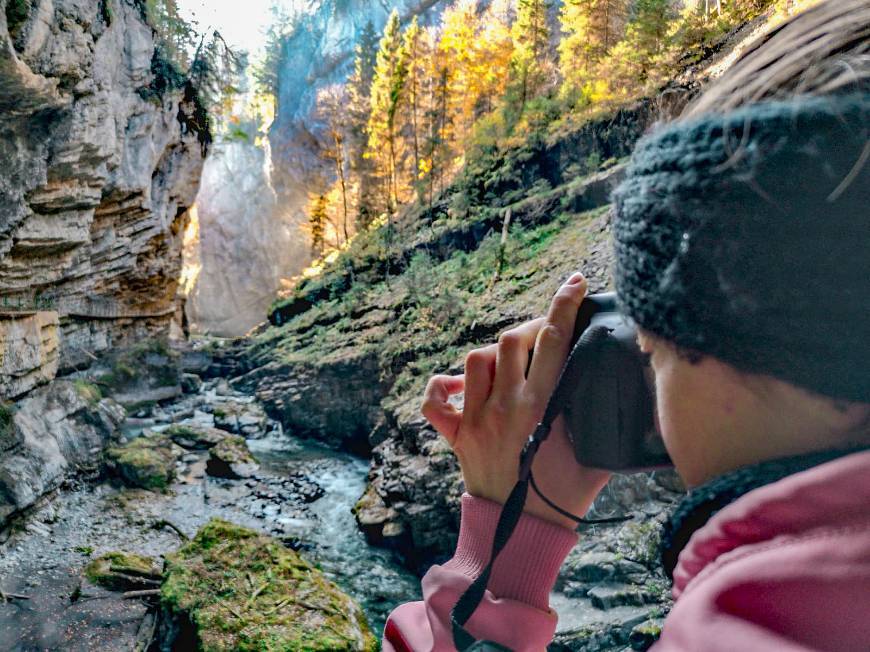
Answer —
(422, 105)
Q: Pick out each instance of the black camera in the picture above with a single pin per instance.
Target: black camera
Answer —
(607, 392)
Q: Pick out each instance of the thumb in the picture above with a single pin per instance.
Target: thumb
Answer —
(437, 409)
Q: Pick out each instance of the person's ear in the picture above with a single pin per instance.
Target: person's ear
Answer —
(645, 341)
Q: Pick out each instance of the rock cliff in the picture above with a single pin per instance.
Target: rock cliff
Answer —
(244, 246)
(102, 147)
(102, 154)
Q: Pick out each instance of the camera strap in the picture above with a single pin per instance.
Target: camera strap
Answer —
(513, 507)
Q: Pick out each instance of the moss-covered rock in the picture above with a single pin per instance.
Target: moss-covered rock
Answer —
(123, 571)
(240, 592)
(195, 437)
(147, 462)
(231, 458)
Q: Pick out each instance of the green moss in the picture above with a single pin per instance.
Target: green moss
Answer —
(7, 414)
(88, 391)
(17, 12)
(194, 437)
(121, 570)
(147, 462)
(246, 592)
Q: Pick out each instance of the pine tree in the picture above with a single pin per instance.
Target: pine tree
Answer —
(386, 93)
(590, 28)
(415, 52)
(359, 109)
(531, 36)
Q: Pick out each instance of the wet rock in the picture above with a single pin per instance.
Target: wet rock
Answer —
(147, 462)
(230, 458)
(644, 635)
(240, 418)
(62, 425)
(231, 589)
(609, 596)
(123, 571)
(190, 383)
(142, 375)
(195, 437)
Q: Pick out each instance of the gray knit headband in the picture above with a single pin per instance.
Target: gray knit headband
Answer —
(746, 236)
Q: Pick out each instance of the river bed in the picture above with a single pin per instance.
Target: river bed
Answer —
(45, 553)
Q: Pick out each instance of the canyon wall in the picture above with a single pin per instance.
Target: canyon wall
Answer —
(102, 154)
(101, 146)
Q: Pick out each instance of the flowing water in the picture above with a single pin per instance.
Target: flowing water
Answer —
(43, 557)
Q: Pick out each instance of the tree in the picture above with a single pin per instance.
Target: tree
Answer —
(590, 28)
(331, 105)
(359, 109)
(266, 72)
(317, 224)
(636, 61)
(531, 36)
(414, 49)
(386, 93)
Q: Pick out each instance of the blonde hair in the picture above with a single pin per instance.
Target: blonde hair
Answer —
(823, 50)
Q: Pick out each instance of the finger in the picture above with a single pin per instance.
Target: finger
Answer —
(512, 357)
(437, 409)
(479, 374)
(554, 337)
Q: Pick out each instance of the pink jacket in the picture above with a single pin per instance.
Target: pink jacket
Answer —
(785, 567)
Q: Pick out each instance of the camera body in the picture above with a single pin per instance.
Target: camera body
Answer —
(609, 397)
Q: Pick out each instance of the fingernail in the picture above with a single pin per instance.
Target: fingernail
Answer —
(576, 278)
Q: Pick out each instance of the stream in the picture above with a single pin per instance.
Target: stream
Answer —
(302, 493)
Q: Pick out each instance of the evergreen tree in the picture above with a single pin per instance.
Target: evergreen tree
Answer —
(359, 109)
(386, 93)
(529, 65)
(413, 46)
(590, 28)
(637, 61)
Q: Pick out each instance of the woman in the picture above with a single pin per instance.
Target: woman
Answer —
(741, 235)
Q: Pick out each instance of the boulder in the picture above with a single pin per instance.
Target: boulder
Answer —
(190, 383)
(195, 437)
(230, 458)
(141, 375)
(147, 462)
(240, 418)
(231, 589)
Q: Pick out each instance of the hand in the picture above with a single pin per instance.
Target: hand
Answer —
(503, 406)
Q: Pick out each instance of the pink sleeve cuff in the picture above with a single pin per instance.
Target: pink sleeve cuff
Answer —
(527, 567)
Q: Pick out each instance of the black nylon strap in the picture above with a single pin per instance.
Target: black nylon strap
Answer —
(513, 507)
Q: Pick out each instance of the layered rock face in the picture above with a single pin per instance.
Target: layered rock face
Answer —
(244, 245)
(102, 157)
(28, 351)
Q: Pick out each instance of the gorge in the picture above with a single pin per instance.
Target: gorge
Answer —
(157, 429)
